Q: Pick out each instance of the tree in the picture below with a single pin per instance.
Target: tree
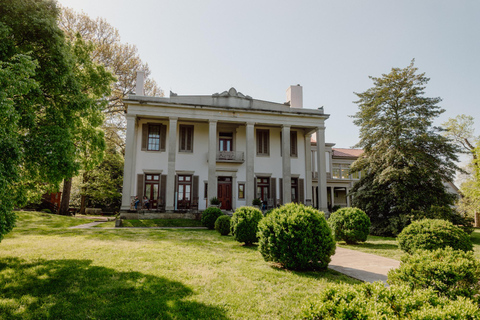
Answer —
(49, 89)
(405, 158)
(460, 130)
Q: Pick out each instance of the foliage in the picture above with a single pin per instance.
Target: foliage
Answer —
(432, 234)
(351, 225)
(375, 301)
(48, 102)
(405, 159)
(449, 272)
(446, 213)
(209, 216)
(336, 207)
(297, 237)
(256, 202)
(214, 201)
(244, 224)
(222, 225)
(164, 223)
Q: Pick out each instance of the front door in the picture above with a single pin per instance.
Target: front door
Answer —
(224, 192)
(151, 189)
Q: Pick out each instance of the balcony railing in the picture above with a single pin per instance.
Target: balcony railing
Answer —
(230, 156)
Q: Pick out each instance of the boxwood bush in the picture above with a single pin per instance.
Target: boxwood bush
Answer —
(297, 237)
(244, 224)
(351, 225)
(209, 216)
(432, 234)
(375, 301)
(222, 225)
(449, 272)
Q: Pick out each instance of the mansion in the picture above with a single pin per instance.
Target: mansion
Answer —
(184, 150)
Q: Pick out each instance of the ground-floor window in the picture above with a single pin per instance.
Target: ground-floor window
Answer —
(184, 191)
(294, 189)
(263, 188)
(152, 189)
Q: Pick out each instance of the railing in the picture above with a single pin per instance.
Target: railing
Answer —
(230, 156)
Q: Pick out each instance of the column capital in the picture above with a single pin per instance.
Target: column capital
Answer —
(286, 126)
(173, 118)
(130, 116)
(250, 123)
(212, 121)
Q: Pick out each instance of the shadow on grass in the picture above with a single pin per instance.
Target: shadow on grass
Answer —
(74, 289)
(475, 236)
(370, 245)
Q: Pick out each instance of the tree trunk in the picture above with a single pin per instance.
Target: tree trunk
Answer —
(64, 205)
(83, 196)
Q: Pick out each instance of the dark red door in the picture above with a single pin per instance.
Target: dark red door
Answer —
(224, 192)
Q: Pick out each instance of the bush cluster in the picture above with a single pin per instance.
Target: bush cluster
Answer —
(351, 225)
(449, 272)
(297, 237)
(209, 216)
(446, 213)
(432, 234)
(375, 301)
(222, 225)
(244, 224)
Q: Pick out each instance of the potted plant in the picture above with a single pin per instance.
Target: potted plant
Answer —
(214, 202)
(257, 203)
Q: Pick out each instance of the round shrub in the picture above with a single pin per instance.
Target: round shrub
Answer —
(451, 273)
(351, 225)
(375, 301)
(297, 237)
(244, 224)
(432, 234)
(209, 216)
(222, 225)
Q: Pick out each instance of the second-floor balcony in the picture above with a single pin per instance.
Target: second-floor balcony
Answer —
(230, 156)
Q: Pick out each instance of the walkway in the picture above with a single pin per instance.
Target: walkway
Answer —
(362, 266)
(88, 225)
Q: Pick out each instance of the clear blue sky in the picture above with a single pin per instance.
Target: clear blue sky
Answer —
(329, 47)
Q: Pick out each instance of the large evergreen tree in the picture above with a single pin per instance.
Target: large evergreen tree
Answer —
(406, 161)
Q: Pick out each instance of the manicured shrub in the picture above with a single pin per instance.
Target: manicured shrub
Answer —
(375, 301)
(449, 272)
(431, 234)
(209, 216)
(351, 225)
(46, 210)
(446, 213)
(297, 237)
(222, 225)
(244, 224)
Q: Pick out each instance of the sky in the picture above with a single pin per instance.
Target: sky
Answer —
(200, 47)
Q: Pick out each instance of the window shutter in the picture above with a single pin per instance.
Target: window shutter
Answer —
(293, 143)
(281, 190)
(163, 137)
(189, 133)
(301, 192)
(144, 136)
(255, 192)
(281, 144)
(195, 188)
(163, 188)
(273, 190)
(266, 149)
(259, 143)
(175, 196)
(140, 186)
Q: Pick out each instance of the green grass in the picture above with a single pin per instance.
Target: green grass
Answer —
(388, 247)
(162, 223)
(48, 271)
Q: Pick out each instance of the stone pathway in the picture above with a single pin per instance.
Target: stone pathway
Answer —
(88, 225)
(362, 266)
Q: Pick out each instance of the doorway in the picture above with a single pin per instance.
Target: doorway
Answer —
(152, 189)
(224, 192)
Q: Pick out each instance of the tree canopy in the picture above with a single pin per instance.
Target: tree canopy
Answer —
(50, 98)
(406, 160)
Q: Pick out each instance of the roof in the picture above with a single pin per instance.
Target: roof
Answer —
(347, 153)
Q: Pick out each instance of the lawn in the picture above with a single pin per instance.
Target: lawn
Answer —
(388, 247)
(48, 271)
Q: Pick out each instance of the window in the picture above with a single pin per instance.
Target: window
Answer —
(336, 172)
(263, 142)
(293, 144)
(356, 175)
(345, 172)
(153, 137)
(294, 190)
(225, 141)
(184, 191)
(186, 138)
(241, 191)
(205, 191)
(263, 188)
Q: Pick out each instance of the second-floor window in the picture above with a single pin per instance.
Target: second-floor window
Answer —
(153, 137)
(225, 141)
(293, 144)
(186, 138)
(263, 142)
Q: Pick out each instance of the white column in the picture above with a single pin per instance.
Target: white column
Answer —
(286, 165)
(308, 170)
(322, 170)
(212, 159)
(250, 164)
(172, 152)
(332, 196)
(129, 164)
(347, 190)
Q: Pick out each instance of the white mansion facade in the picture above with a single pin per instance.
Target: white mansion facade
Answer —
(183, 150)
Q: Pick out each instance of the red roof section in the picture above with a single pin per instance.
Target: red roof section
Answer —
(347, 153)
